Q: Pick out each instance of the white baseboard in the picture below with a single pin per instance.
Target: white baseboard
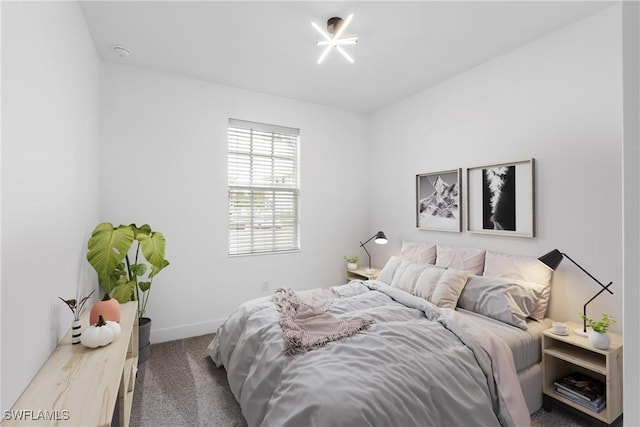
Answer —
(184, 331)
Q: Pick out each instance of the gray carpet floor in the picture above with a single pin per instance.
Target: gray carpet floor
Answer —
(180, 386)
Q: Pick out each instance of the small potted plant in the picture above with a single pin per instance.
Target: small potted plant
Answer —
(598, 335)
(352, 262)
(76, 308)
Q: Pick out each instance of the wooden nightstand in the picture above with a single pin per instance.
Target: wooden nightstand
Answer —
(361, 274)
(563, 355)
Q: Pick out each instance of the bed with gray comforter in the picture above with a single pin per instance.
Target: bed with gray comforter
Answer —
(416, 365)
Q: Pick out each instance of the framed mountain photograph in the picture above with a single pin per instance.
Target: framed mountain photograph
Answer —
(500, 199)
(438, 201)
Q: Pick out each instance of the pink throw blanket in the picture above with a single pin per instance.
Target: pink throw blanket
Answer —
(305, 323)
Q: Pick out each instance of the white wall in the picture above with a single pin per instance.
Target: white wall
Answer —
(631, 81)
(50, 101)
(558, 100)
(163, 162)
(1, 401)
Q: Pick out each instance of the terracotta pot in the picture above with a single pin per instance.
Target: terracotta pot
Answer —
(108, 307)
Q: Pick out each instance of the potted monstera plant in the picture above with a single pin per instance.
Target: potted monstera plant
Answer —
(126, 273)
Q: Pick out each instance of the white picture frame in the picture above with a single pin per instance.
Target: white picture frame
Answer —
(438, 201)
(501, 199)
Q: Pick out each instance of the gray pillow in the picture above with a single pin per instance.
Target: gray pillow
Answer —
(389, 269)
(507, 300)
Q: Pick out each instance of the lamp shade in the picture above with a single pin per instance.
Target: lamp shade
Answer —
(381, 239)
(551, 259)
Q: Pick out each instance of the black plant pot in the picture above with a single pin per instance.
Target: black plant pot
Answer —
(144, 346)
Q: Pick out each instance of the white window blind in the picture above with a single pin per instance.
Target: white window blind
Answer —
(263, 188)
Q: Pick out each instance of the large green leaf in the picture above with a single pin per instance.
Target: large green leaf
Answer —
(119, 272)
(155, 269)
(153, 248)
(107, 248)
(143, 229)
(138, 269)
(124, 291)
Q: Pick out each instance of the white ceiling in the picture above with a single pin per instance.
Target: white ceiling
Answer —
(269, 47)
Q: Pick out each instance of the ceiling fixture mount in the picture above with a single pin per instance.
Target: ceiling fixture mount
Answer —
(335, 28)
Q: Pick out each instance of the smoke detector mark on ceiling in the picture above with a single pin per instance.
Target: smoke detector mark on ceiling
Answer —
(121, 51)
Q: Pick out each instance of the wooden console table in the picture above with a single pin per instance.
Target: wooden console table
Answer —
(79, 386)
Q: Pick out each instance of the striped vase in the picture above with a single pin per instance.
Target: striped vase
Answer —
(75, 332)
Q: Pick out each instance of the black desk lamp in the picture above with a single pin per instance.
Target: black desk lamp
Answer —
(381, 239)
(553, 259)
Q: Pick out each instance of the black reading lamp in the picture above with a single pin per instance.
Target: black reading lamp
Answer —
(553, 259)
(381, 239)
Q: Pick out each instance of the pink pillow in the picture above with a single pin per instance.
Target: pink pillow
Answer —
(420, 253)
(524, 268)
(471, 260)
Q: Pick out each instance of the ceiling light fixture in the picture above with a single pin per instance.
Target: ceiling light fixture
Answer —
(335, 28)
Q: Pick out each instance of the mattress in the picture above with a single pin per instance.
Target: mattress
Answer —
(526, 346)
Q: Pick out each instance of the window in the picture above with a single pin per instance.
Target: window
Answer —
(263, 188)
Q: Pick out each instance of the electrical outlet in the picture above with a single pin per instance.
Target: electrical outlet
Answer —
(266, 286)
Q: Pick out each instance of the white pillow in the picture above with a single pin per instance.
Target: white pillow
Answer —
(402, 265)
(507, 300)
(471, 260)
(525, 268)
(440, 286)
(408, 276)
(421, 253)
(387, 272)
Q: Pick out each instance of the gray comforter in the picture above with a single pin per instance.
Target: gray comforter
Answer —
(415, 366)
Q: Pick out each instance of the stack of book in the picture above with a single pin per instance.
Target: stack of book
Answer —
(583, 390)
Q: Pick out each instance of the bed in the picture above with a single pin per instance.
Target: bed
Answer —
(454, 348)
